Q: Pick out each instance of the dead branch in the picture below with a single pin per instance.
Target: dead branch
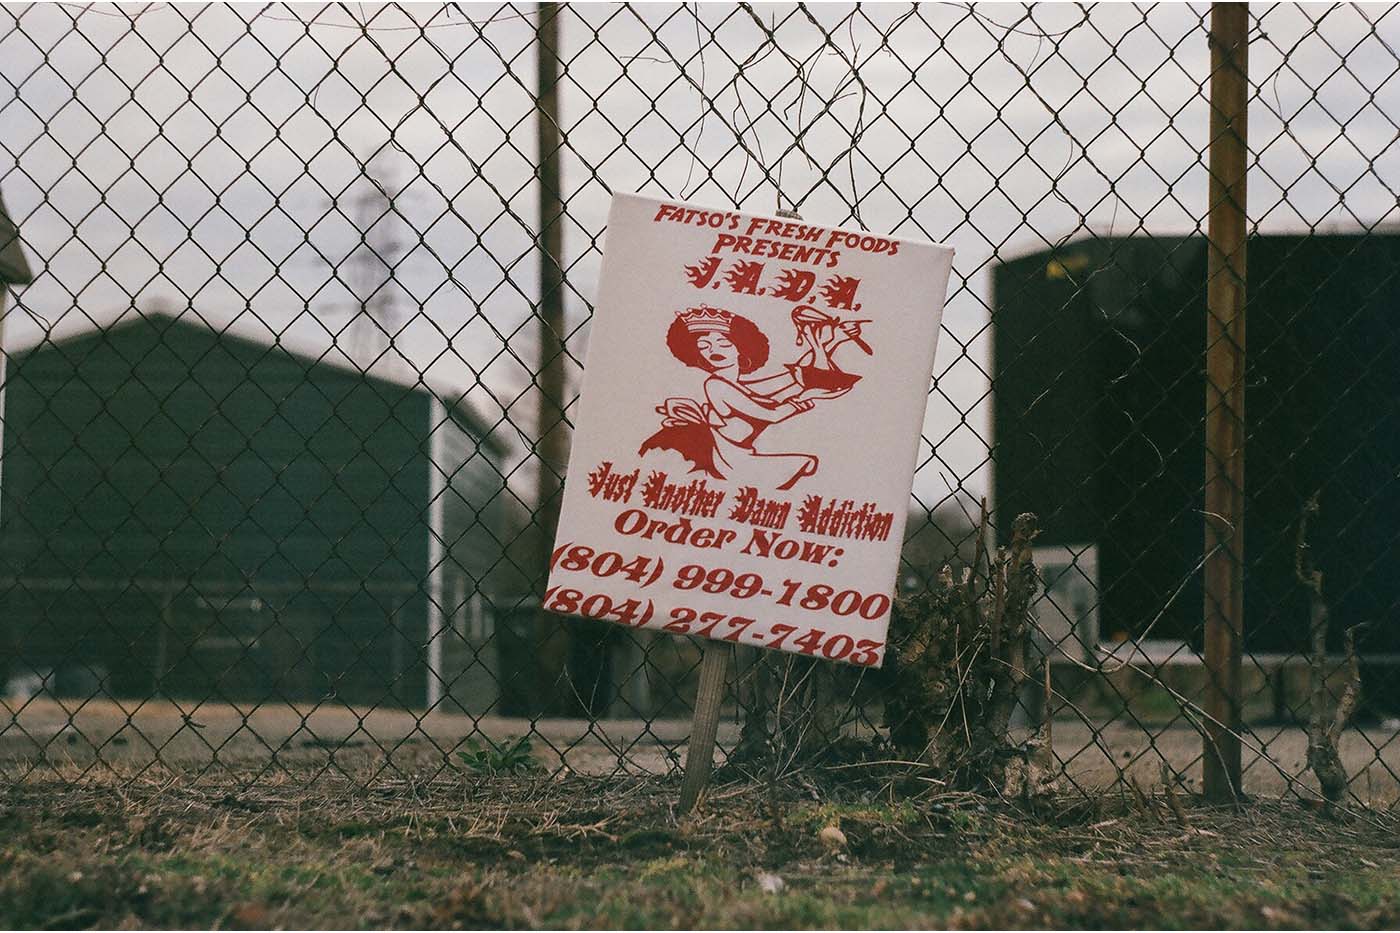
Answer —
(1033, 776)
(1169, 779)
(1351, 694)
(1324, 732)
(958, 659)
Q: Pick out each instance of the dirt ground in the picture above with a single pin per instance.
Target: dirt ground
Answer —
(161, 851)
(365, 746)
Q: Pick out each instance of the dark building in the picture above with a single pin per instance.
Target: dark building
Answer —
(191, 513)
(1099, 424)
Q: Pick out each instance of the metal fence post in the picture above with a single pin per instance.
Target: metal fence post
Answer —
(1225, 362)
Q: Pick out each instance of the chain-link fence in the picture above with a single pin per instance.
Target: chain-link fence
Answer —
(298, 296)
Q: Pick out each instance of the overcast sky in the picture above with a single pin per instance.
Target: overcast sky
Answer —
(215, 158)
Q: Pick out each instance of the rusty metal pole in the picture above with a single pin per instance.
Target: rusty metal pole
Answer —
(1225, 369)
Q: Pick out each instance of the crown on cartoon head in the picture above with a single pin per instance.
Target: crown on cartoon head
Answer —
(706, 318)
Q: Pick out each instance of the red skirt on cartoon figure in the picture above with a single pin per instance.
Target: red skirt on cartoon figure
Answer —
(697, 434)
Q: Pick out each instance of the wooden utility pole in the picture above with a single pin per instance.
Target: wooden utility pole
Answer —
(1225, 373)
(553, 438)
(580, 662)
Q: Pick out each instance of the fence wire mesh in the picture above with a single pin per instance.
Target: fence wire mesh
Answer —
(281, 423)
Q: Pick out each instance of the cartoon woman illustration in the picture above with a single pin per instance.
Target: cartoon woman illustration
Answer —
(718, 436)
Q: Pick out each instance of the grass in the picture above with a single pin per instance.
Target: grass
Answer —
(515, 852)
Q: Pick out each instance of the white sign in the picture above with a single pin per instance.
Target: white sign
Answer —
(749, 422)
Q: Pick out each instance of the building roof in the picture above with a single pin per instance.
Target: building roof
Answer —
(1089, 234)
(452, 398)
(14, 268)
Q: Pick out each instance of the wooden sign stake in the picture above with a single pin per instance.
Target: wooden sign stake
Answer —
(700, 757)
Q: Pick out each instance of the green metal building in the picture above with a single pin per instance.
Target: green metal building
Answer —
(191, 513)
(1099, 398)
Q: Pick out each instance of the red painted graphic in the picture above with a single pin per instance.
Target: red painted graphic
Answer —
(747, 429)
(721, 435)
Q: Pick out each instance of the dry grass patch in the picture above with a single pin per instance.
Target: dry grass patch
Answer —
(503, 852)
